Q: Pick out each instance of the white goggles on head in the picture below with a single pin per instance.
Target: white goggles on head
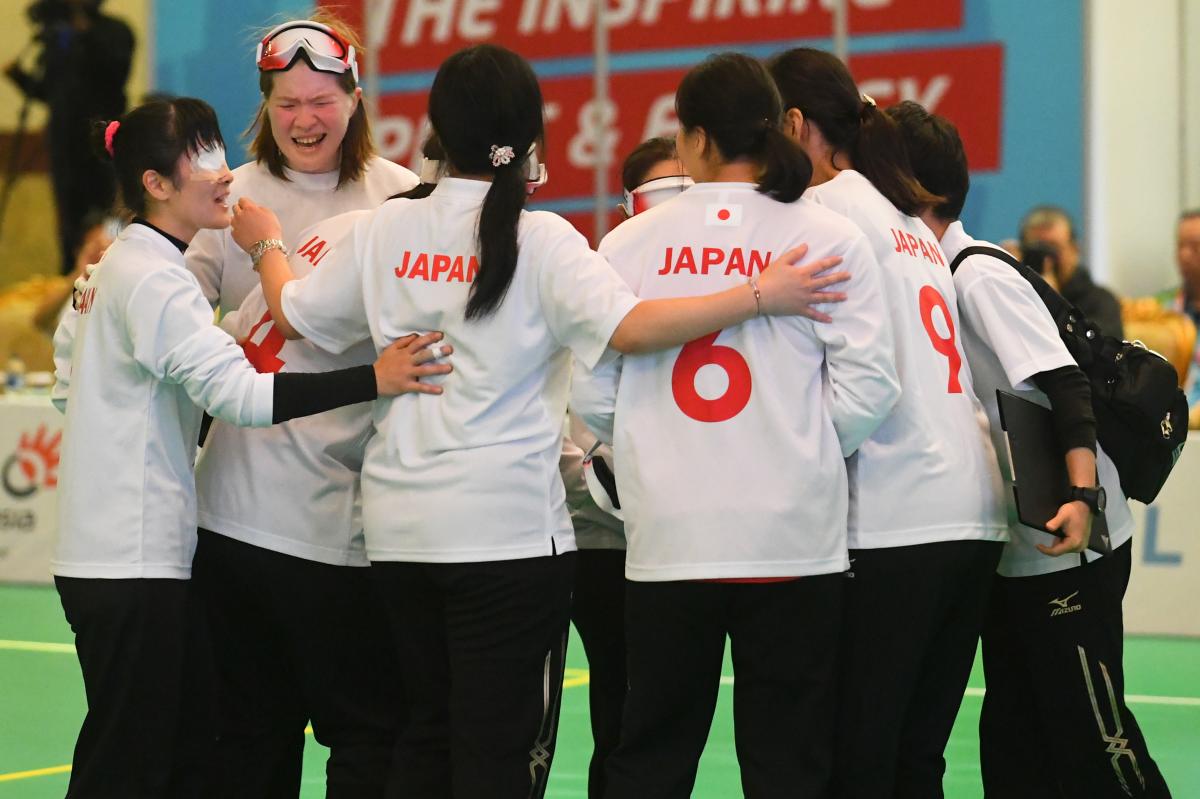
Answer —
(655, 192)
(536, 174)
(324, 48)
(431, 170)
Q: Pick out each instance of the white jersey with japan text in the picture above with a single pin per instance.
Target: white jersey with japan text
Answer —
(291, 488)
(143, 356)
(929, 472)
(470, 475)
(1009, 337)
(300, 201)
(729, 450)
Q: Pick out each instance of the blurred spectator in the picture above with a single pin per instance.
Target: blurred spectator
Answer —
(1186, 298)
(1048, 229)
(80, 75)
(99, 230)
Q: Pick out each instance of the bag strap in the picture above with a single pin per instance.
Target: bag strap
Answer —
(978, 249)
(1058, 306)
(1066, 316)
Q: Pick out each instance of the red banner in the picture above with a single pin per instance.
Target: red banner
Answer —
(417, 35)
(964, 84)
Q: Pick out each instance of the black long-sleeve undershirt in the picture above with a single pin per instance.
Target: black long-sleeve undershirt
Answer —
(299, 394)
(1070, 396)
(305, 393)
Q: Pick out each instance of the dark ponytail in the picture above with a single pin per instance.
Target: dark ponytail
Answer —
(820, 86)
(786, 169)
(732, 97)
(154, 136)
(498, 240)
(485, 107)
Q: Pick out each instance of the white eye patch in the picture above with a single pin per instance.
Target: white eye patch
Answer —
(208, 164)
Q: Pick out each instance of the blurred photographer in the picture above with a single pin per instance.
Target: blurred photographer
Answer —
(1049, 245)
(80, 74)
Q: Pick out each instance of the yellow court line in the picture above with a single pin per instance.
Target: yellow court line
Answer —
(38, 646)
(37, 772)
(572, 679)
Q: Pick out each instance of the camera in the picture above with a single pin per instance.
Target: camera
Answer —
(1040, 258)
(48, 13)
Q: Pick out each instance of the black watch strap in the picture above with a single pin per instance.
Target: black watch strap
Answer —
(1094, 498)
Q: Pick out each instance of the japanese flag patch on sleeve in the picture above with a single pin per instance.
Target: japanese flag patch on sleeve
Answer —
(722, 215)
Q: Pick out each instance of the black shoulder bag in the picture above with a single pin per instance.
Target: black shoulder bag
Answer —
(1141, 413)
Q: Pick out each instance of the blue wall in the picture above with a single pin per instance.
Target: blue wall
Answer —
(207, 50)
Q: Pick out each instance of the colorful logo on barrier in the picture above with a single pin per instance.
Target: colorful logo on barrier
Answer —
(34, 465)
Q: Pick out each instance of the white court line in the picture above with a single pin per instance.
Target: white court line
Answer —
(577, 677)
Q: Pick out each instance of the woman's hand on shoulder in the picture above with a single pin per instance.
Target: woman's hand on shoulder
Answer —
(789, 288)
(403, 363)
(253, 223)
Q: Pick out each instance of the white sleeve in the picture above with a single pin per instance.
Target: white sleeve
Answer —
(64, 345)
(170, 327)
(205, 258)
(1009, 317)
(860, 351)
(327, 306)
(594, 397)
(582, 297)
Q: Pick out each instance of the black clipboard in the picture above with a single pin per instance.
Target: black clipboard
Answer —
(1040, 480)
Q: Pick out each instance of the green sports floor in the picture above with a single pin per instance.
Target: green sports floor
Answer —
(41, 705)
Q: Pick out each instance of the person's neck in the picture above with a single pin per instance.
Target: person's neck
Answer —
(323, 169)
(938, 225)
(826, 166)
(167, 223)
(734, 172)
(1191, 294)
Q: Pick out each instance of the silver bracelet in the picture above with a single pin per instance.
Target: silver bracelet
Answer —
(757, 296)
(264, 246)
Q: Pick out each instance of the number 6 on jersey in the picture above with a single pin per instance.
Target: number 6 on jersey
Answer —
(694, 356)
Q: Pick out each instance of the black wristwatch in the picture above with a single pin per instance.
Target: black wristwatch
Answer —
(1094, 498)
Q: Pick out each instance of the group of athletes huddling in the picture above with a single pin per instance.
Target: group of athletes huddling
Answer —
(387, 531)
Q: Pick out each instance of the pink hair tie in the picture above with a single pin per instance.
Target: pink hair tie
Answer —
(109, 132)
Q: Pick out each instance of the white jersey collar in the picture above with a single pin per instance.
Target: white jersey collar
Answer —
(462, 188)
(955, 240)
(718, 186)
(150, 236)
(316, 181)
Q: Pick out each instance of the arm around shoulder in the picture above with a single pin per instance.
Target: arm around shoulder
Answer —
(169, 324)
(784, 288)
